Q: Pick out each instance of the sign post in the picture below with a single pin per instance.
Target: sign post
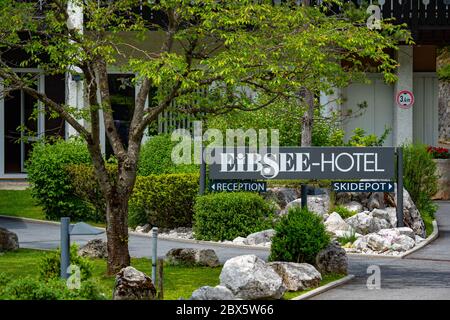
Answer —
(400, 222)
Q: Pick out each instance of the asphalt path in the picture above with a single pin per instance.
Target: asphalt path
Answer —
(37, 235)
(422, 275)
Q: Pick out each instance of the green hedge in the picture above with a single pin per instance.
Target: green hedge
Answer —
(420, 177)
(164, 200)
(156, 158)
(225, 216)
(50, 183)
(299, 237)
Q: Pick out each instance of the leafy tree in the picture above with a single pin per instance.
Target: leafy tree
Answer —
(246, 55)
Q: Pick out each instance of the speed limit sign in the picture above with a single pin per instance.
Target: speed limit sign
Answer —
(405, 99)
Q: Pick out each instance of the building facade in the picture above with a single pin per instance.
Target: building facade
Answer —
(428, 20)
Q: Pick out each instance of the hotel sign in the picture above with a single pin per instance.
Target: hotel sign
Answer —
(304, 163)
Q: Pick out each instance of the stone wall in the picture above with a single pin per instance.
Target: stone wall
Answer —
(444, 103)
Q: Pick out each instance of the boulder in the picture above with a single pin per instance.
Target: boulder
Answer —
(418, 239)
(411, 216)
(132, 284)
(361, 222)
(282, 196)
(381, 214)
(260, 237)
(144, 229)
(206, 258)
(332, 259)
(213, 293)
(95, 248)
(378, 243)
(249, 277)
(297, 276)
(360, 244)
(240, 240)
(335, 223)
(392, 212)
(402, 243)
(189, 256)
(319, 204)
(8, 240)
(354, 206)
(377, 224)
(407, 232)
(376, 201)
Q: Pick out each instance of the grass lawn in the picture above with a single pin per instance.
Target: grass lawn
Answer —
(428, 221)
(178, 281)
(19, 203)
(325, 280)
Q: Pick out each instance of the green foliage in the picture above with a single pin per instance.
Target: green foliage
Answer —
(420, 177)
(361, 139)
(155, 158)
(50, 265)
(300, 235)
(164, 200)
(348, 237)
(344, 212)
(50, 184)
(225, 216)
(29, 288)
(86, 187)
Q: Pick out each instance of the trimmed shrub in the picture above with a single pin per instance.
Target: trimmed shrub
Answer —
(55, 289)
(156, 158)
(165, 201)
(86, 187)
(299, 236)
(50, 184)
(225, 216)
(50, 265)
(420, 177)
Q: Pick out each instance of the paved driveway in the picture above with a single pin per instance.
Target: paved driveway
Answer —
(36, 235)
(422, 275)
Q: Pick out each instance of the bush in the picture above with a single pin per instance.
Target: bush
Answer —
(299, 237)
(225, 216)
(50, 184)
(420, 177)
(165, 201)
(86, 187)
(50, 265)
(55, 289)
(156, 158)
(344, 212)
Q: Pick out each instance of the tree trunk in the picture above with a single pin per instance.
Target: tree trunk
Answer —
(307, 119)
(117, 233)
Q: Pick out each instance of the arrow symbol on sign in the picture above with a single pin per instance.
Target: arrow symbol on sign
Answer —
(213, 187)
(390, 186)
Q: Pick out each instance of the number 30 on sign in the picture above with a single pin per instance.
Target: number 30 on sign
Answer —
(405, 99)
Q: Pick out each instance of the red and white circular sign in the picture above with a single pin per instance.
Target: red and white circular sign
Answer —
(405, 99)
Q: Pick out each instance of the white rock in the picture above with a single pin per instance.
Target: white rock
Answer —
(402, 243)
(260, 237)
(325, 217)
(297, 276)
(239, 240)
(319, 204)
(249, 277)
(378, 243)
(392, 216)
(418, 239)
(407, 232)
(380, 213)
(361, 222)
(336, 223)
(377, 224)
(353, 206)
(360, 244)
(213, 293)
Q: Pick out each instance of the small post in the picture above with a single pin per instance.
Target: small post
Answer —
(304, 195)
(202, 172)
(155, 253)
(400, 222)
(65, 247)
(160, 279)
